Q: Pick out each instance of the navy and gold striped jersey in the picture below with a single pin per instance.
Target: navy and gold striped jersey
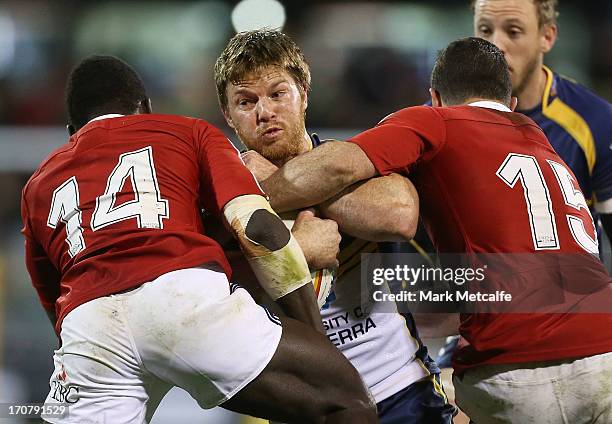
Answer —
(578, 125)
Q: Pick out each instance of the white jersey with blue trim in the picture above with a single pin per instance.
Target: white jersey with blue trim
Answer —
(375, 339)
(379, 342)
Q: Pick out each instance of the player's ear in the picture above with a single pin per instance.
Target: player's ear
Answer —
(548, 37)
(513, 103)
(305, 99)
(228, 118)
(436, 99)
(144, 106)
(147, 106)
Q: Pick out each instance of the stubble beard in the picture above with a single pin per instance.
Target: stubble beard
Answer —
(290, 146)
(528, 75)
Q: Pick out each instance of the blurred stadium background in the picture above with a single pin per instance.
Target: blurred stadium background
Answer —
(367, 58)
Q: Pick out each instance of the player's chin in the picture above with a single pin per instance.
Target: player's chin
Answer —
(277, 150)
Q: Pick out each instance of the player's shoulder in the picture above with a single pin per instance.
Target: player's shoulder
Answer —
(48, 164)
(462, 115)
(570, 90)
(581, 99)
(179, 120)
(188, 128)
(413, 114)
(582, 108)
(155, 120)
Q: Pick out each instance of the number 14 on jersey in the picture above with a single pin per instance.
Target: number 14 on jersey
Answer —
(148, 207)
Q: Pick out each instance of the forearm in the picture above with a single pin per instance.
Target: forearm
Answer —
(379, 209)
(299, 305)
(316, 176)
(274, 256)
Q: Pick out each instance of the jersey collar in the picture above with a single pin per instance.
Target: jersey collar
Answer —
(550, 78)
(315, 141)
(107, 116)
(491, 105)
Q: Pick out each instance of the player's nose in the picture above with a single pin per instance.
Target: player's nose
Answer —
(499, 39)
(265, 109)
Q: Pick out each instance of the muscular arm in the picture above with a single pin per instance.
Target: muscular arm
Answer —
(379, 209)
(298, 184)
(274, 256)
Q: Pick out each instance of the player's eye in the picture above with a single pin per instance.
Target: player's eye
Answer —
(278, 94)
(244, 102)
(484, 31)
(514, 32)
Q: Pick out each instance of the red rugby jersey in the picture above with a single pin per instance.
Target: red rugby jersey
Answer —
(489, 182)
(120, 203)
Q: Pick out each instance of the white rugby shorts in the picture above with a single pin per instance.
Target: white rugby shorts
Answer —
(122, 353)
(574, 391)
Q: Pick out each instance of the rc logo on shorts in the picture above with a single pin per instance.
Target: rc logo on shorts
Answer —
(64, 393)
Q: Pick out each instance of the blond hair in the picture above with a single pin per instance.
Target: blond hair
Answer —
(546, 9)
(250, 51)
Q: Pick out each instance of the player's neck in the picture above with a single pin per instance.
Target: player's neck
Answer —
(304, 145)
(531, 96)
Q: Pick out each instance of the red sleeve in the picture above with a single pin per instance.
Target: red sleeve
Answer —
(223, 175)
(402, 138)
(45, 277)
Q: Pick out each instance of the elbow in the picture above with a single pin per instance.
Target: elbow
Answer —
(400, 226)
(406, 211)
(406, 224)
(408, 229)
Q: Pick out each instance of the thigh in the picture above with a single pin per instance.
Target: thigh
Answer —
(96, 372)
(505, 394)
(194, 330)
(215, 342)
(306, 379)
(585, 390)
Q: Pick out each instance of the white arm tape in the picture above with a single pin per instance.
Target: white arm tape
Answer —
(279, 272)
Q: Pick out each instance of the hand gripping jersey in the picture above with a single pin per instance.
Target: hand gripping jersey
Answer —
(119, 205)
(489, 182)
(578, 125)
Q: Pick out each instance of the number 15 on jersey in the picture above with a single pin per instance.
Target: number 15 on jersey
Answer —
(527, 170)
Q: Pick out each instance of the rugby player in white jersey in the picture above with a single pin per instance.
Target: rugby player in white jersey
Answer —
(262, 81)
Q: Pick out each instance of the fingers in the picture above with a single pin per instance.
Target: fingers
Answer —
(248, 155)
(305, 215)
(261, 167)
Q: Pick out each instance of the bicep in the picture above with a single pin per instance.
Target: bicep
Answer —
(379, 209)
(223, 174)
(402, 138)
